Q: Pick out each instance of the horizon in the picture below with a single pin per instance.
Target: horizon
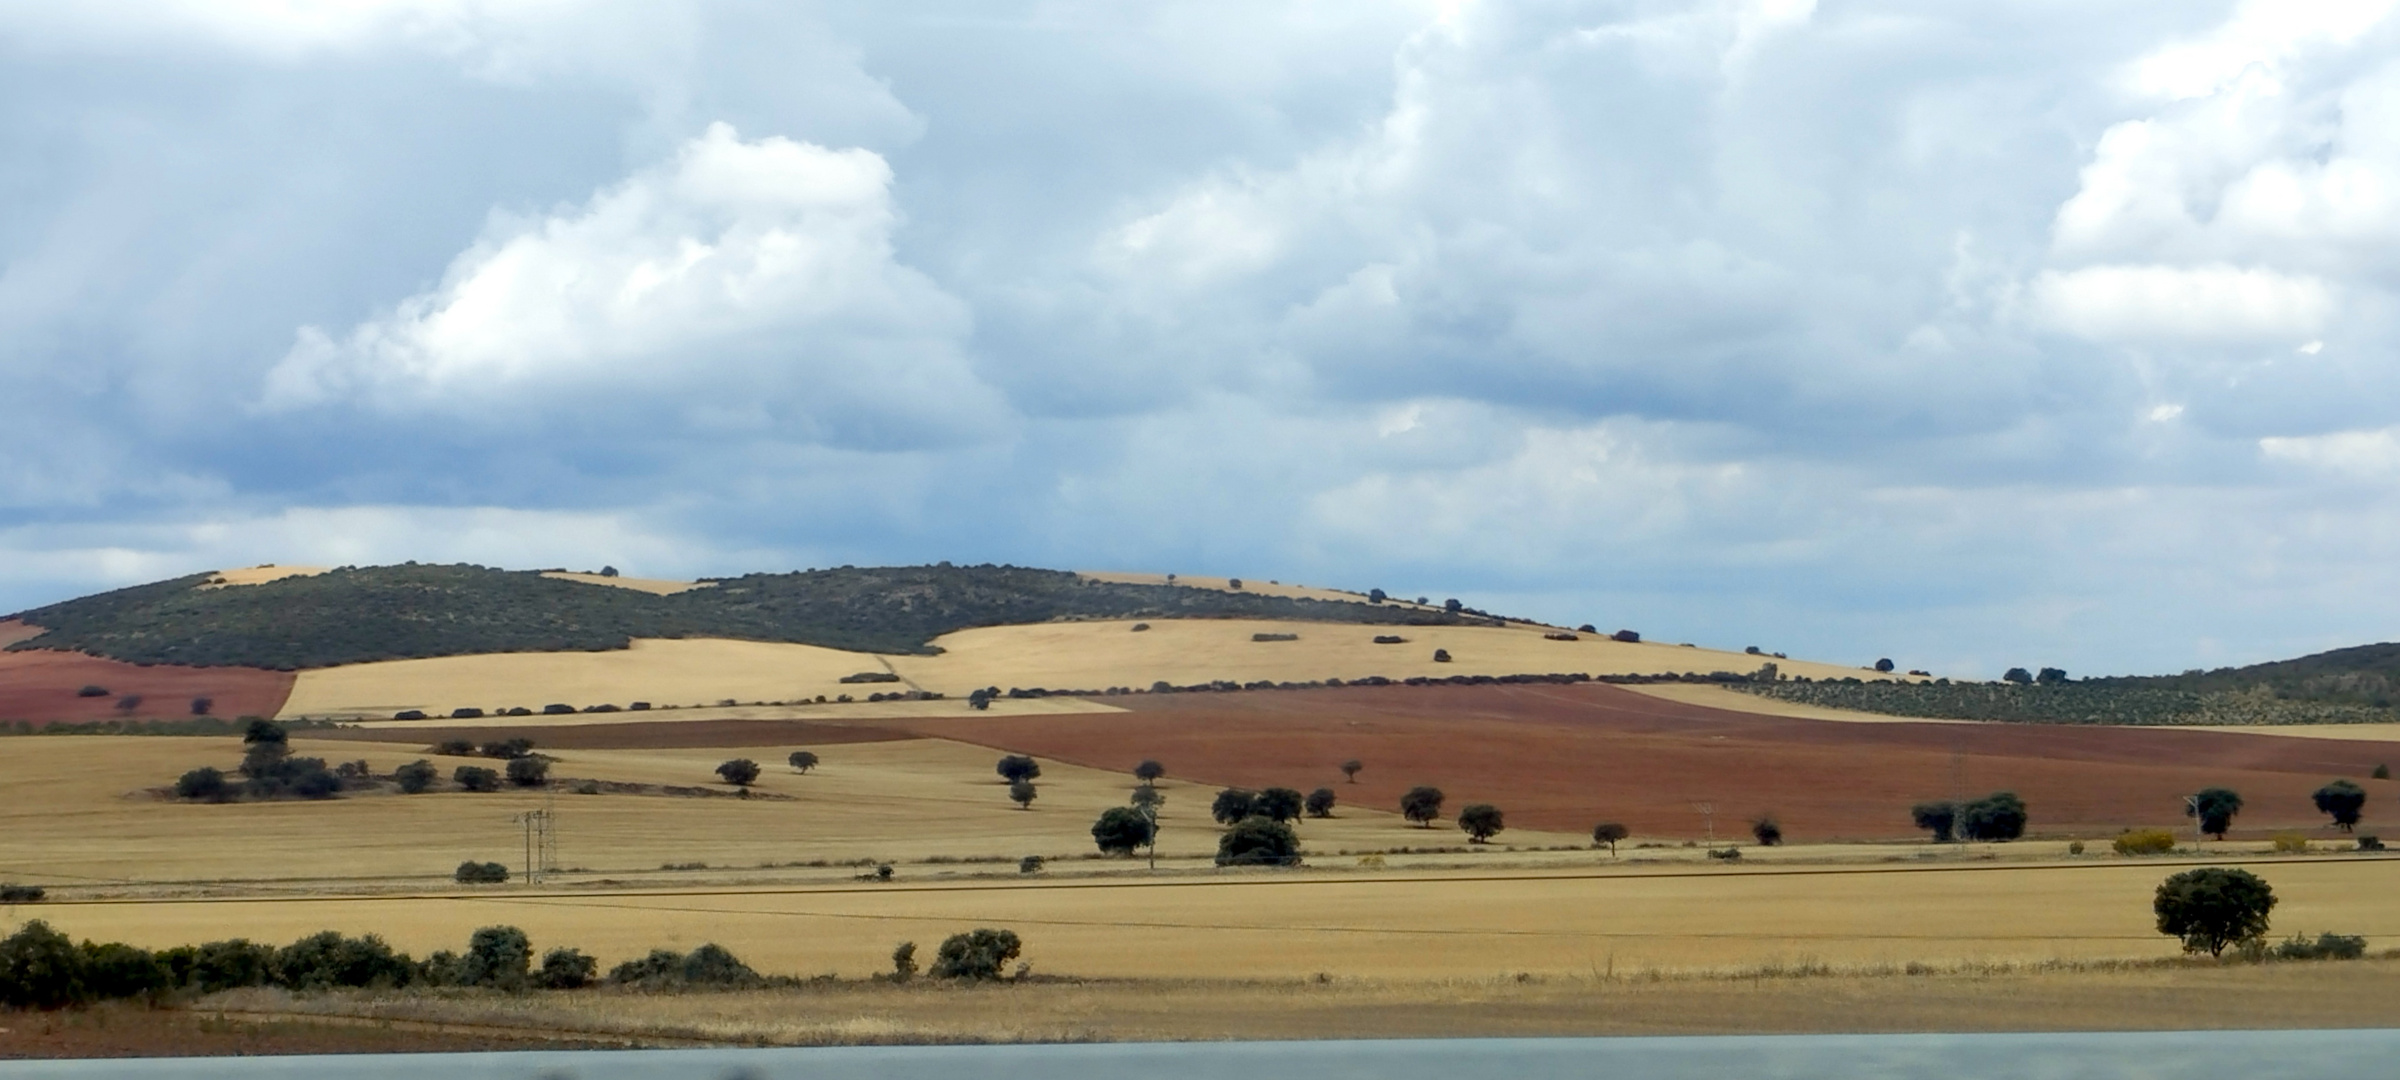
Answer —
(1978, 339)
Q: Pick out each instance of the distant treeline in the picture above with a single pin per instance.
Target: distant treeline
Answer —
(2112, 701)
(2367, 675)
(360, 614)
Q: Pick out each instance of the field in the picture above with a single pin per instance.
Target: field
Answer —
(43, 686)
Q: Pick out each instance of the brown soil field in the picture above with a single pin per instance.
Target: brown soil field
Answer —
(1284, 924)
(16, 630)
(40, 686)
(1565, 757)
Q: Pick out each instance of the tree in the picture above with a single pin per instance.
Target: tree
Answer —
(1997, 816)
(1377, 596)
(976, 954)
(2342, 800)
(201, 783)
(497, 956)
(1257, 841)
(1279, 804)
(476, 778)
(530, 771)
(2050, 676)
(1422, 805)
(1350, 769)
(1453, 606)
(904, 961)
(1233, 804)
(566, 969)
(802, 761)
(1149, 772)
(1018, 767)
(471, 872)
(416, 776)
(1766, 831)
(1885, 665)
(1320, 803)
(1147, 799)
(2017, 675)
(264, 731)
(1441, 656)
(980, 699)
(41, 969)
(1121, 829)
(1481, 821)
(741, 772)
(1609, 832)
(1939, 817)
(2213, 907)
(2216, 808)
(1021, 792)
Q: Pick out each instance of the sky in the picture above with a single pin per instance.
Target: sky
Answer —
(1970, 335)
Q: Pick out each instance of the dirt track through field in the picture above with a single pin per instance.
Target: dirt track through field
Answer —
(1565, 757)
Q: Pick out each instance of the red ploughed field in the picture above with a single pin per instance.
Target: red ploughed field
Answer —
(44, 687)
(1567, 757)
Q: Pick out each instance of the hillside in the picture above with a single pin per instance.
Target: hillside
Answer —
(2359, 675)
(353, 615)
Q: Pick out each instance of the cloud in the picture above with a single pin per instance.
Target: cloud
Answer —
(744, 285)
(2204, 304)
(2368, 454)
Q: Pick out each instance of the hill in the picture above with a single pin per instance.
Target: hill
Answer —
(352, 615)
(2359, 675)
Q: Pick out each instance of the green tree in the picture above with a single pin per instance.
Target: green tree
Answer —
(2213, 907)
(529, 771)
(416, 776)
(1232, 805)
(1149, 772)
(2216, 808)
(1422, 805)
(1609, 832)
(41, 969)
(475, 778)
(1279, 804)
(2017, 675)
(497, 956)
(1121, 829)
(1766, 830)
(1997, 816)
(802, 761)
(201, 783)
(1351, 767)
(976, 954)
(1481, 821)
(1016, 767)
(1938, 817)
(566, 969)
(1022, 793)
(740, 772)
(1320, 802)
(904, 961)
(2343, 801)
(1148, 799)
(471, 872)
(1258, 841)
(117, 971)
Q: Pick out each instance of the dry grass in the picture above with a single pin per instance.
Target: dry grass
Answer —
(654, 586)
(698, 671)
(867, 712)
(1717, 697)
(2164, 996)
(2363, 732)
(1253, 586)
(260, 575)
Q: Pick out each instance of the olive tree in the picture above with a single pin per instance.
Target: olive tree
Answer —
(1022, 792)
(1279, 804)
(1350, 769)
(1609, 832)
(1422, 805)
(1149, 772)
(2213, 907)
(802, 761)
(1257, 841)
(1937, 817)
(1320, 803)
(1016, 768)
(2341, 800)
(1481, 821)
(740, 772)
(1121, 829)
(1233, 804)
(2216, 808)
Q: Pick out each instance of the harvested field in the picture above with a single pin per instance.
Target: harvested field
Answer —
(1270, 924)
(16, 630)
(644, 735)
(698, 671)
(2346, 732)
(122, 1030)
(260, 575)
(1565, 757)
(40, 686)
(1249, 585)
(852, 713)
(654, 586)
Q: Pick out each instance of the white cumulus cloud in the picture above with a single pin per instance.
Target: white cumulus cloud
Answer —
(2204, 303)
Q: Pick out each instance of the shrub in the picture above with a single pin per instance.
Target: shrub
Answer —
(1232, 805)
(1937, 817)
(416, 777)
(220, 965)
(2144, 842)
(1030, 864)
(508, 749)
(201, 783)
(454, 748)
(476, 778)
(976, 954)
(709, 965)
(1016, 767)
(1627, 636)
(1997, 816)
(1022, 793)
(1258, 841)
(2017, 675)
(1730, 854)
(2216, 808)
(117, 971)
(1422, 805)
(904, 961)
(1481, 821)
(529, 771)
(91, 690)
(802, 761)
(1121, 829)
(1766, 831)
(328, 959)
(1320, 802)
(557, 709)
(409, 714)
(480, 873)
(1885, 665)
(2328, 946)
(22, 894)
(1279, 804)
(2382, 772)
(41, 969)
(202, 706)
(1441, 656)
(497, 956)
(2342, 801)
(2074, 847)
(2213, 907)
(466, 713)
(1609, 832)
(1264, 636)
(740, 772)
(566, 969)
(1390, 639)
(2369, 843)
(2290, 843)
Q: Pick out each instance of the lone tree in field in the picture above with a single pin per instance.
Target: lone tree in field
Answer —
(741, 772)
(1938, 817)
(1016, 768)
(1422, 805)
(1320, 802)
(1256, 841)
(2216, 808)
(1279, 804)
(1997, 816)
(2341, 800)
(1350, 769)
(1149, 772)
(1885, 665)
(976, 955)
(2213, 907)
(1766, 831)
(1021, 792)
(1609, 832)
(1481, 821)
(1233, 804)
(802, 761)
(1121, 829)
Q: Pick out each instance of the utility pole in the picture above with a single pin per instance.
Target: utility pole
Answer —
(1708, 812)
(539, 850)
